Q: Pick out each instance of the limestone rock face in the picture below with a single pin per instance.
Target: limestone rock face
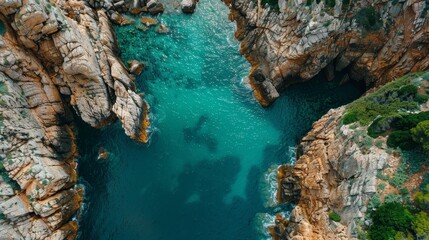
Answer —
(334, 174)
(56, 57)
(370, 41)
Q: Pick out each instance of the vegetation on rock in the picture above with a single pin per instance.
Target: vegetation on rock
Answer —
(334, 217)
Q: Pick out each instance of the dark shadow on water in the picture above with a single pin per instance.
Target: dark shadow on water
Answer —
(196, 208)
(195, 135)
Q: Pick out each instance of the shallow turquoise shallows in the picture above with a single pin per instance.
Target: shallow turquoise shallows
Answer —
(202, 174)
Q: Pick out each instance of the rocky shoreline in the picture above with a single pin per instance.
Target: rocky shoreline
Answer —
(289, 42)
(342, 173)
(372, 43)
(56, 57)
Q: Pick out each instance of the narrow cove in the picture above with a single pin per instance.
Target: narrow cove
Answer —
(201, 176)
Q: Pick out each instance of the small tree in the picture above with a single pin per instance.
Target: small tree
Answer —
(420, 134)
(421, 225)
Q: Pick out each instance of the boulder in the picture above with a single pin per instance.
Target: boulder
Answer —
(135, 67)
(154, 7)
(188, 6)
(148, 21)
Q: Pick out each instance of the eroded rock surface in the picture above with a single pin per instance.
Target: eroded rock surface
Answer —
(336, 173)
(56, 57)
(370, 41)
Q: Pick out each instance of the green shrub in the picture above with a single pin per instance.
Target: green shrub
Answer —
(421, 198)
(381, 233)
(414, 159)
(350, 118)
(383, 102)
(368, 18)
(379, 144)
(420, 134)
(408, 121)
(401, 139)
(388, 219)
(392, 198)
(308, 2)
(381, 176)
(381, 125)
(421, 225)
(400, 175)
(404, 191)
(335, 217)
(421, 98)
(330, 3)
(375, 202)
(409, 89)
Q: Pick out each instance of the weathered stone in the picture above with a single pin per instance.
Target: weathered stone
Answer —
(148, 21)
(297, 42)
(135, 67)
(51, 51)
(188, 6)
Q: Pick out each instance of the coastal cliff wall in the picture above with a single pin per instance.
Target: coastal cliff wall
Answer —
(56, 57)
(370, 42)
(347, 166)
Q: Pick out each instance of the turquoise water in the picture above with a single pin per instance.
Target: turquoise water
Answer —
(200, 177)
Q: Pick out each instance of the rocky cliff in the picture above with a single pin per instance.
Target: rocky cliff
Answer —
(292, 41)
(342, 174)
(56, 57)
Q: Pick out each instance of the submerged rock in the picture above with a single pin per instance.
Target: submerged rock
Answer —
(142, 27)
(102, 154)
(162, 29)
(148, 21)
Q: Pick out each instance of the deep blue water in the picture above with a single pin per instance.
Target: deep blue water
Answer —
(201, 176)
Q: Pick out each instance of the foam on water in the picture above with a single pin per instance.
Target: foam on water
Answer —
(211, 144)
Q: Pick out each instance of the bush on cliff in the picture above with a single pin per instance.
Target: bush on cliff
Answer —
(386, 101)
(408, 121)
(401, 139)
(421, 225)
(389, 219)
(407, 90)
(334, 217)
(420, 134)
(350, 118)
(421, 198)
(382, 124)
(368, 17)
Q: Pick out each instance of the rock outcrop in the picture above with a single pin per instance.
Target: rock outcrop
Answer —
(335, 174)
(56, 57)
(292, 41)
